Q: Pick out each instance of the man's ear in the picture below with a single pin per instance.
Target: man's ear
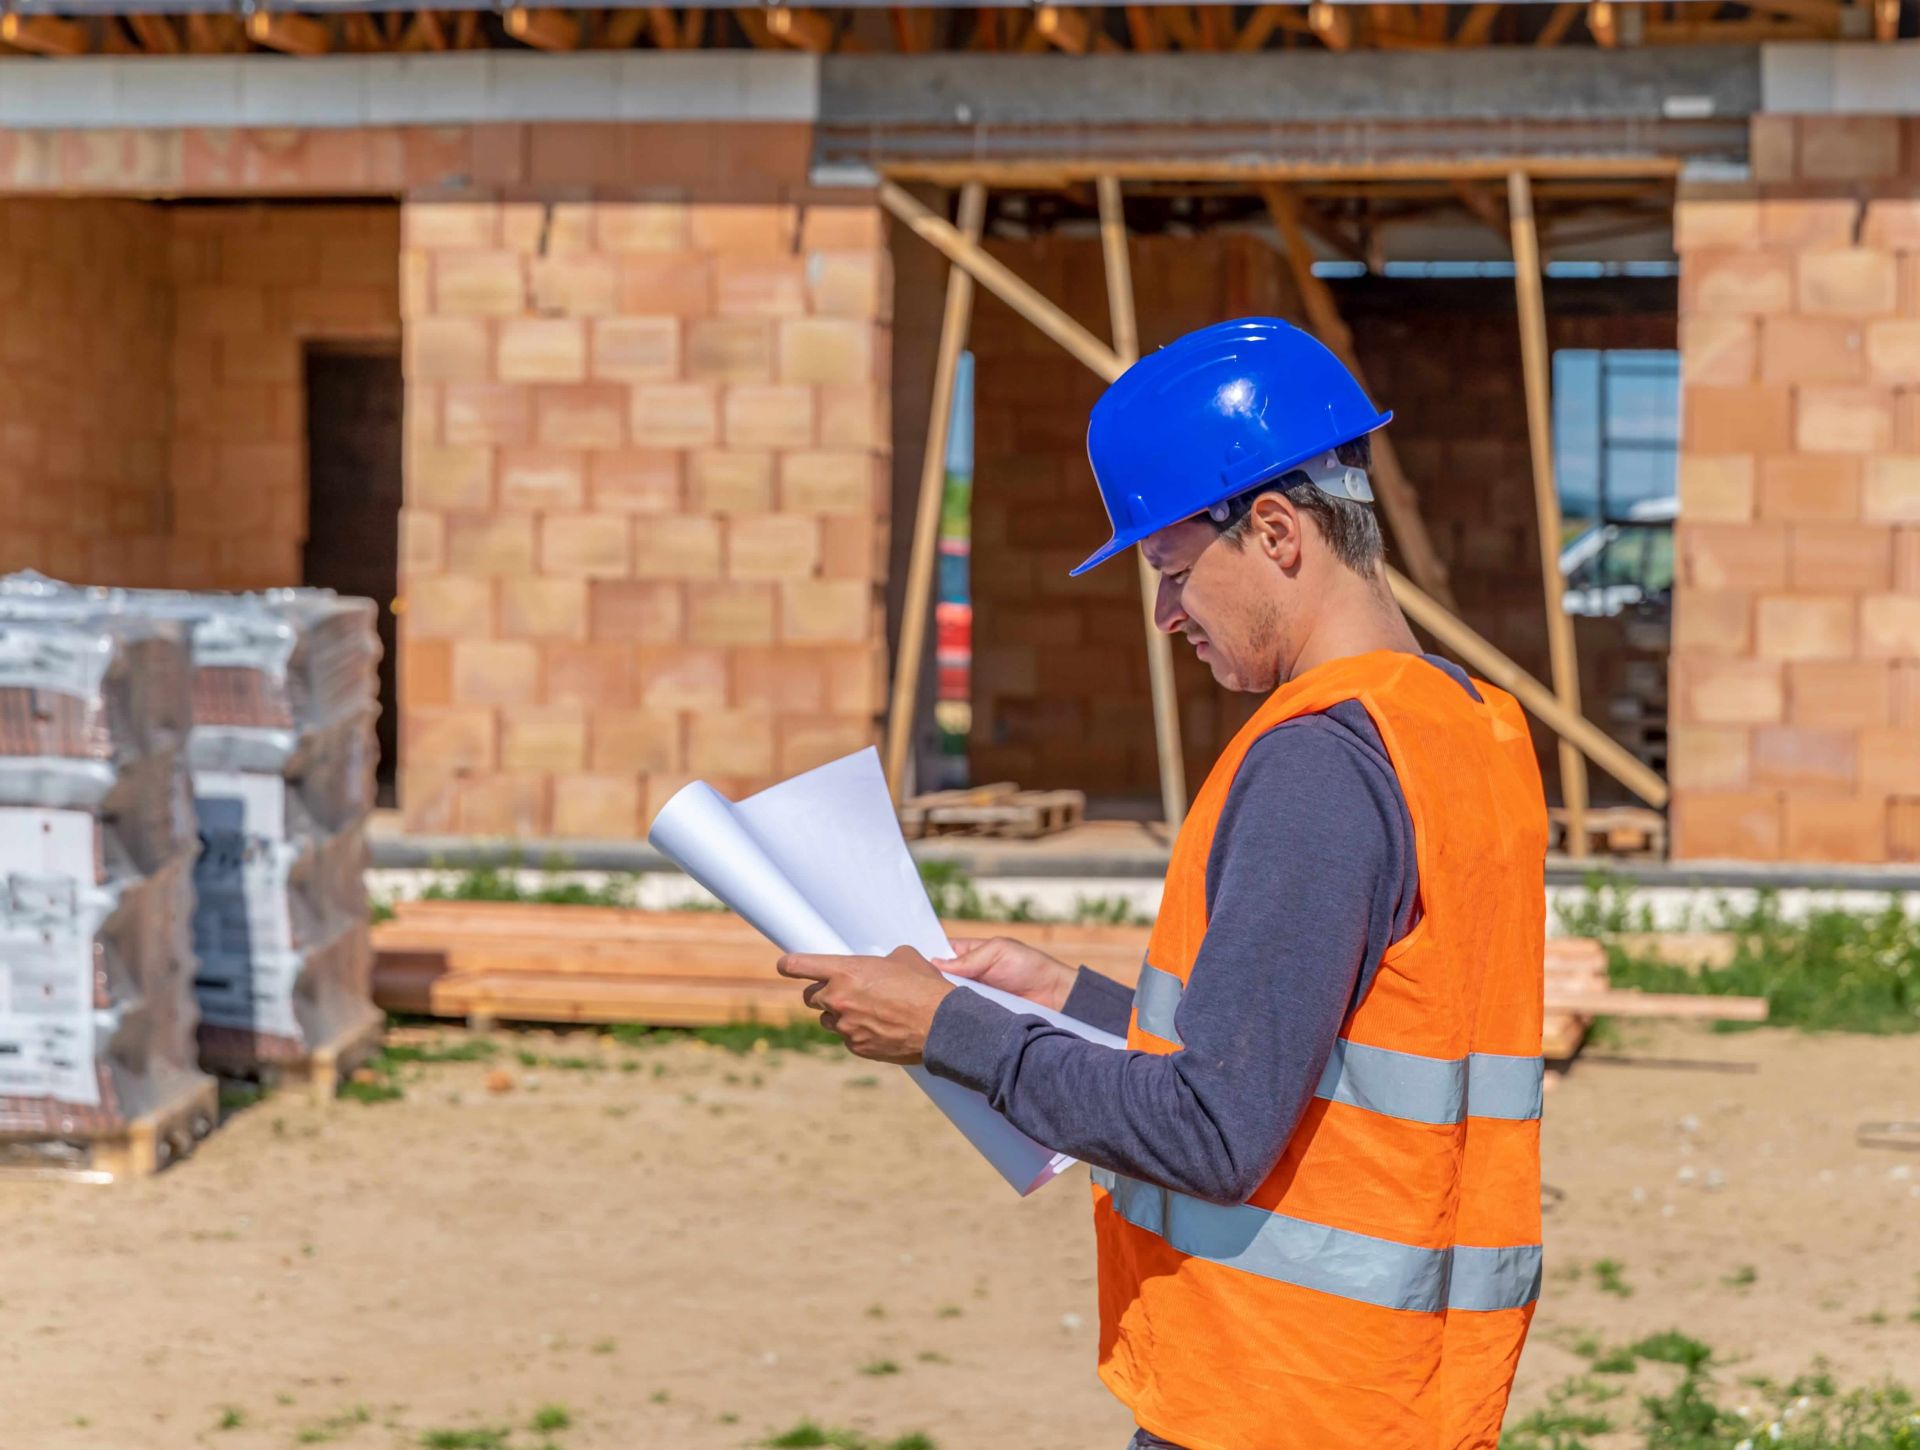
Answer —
(1273, 527)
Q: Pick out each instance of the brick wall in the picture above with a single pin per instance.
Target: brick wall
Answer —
(1796, 667)
(85, 315)
(252, 285)
(646, 502)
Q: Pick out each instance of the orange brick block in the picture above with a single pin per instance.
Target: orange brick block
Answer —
(1840, 694)
(1892, 491)
(426, 673)
(1893, 350)
(448, 606)
(1707, 757)
(850, 228)
(487, 413)
(597, 675)
(751, 229)
(833, 350)
(543, 608)
(848, 284)
(458, 739)
(542, 480)
(542, 350)
(1729, 692)
(423, 543)
(759, 286)
(1734, 556)
(450, 478)
(1727, 825)
(1848, 282)
(634, 480)
(829, 482)
(1808, 221)
(852, 546)
(731, 742)
(586, 546)
(1890, 759)
(636, 349)
(1822, 827)
(672, 284)
(495, 672)
(1794, 756)
(767, 417)
(449, 225)
(681, 677)
(574, 286)
(1799, 487)
(1890, 627)
(1812, 350)
(1838, 558)
(1735, 284)
(580, 415)
(730, 613)
(448, 350)
(730, 349)
(1715, 622)
(1906, 560)
(1716, 488)
(641, 611)
(543, 738)
(1903, 830)
(1704, 222)
(809, 741)
(675, 415)
(1719, 351)
(641, 226)
(677, 546)
(631, 742)
(596, 807)
(1755, 419)
(787, 680)
(1849, 148)
(773, 546)
(855, 417)
(479, 284)
(1843, 420)
(507, 805)
(826, 611)
(489, 544)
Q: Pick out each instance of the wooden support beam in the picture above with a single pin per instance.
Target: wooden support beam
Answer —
(622, 29)
(1604, 23)
(156, 34)
(1068, 28)
(1422, 608)
(1259, 28)
(1478, 25)
(361, 32)
(466, 31)
(293, 34)
(666, 33)
(542, 29)
(1126, 347)
(1825, 14)
(912, 29)
(806, 30)
(1484, 209)
(1535, 364)
(1398, 499)
(1143, 27)
(1178, 22)
(1558, 24)
(1886, 19)
(1332, 24)
(44, 34)
(917, 602)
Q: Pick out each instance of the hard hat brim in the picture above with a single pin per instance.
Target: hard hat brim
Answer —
(1119, 543)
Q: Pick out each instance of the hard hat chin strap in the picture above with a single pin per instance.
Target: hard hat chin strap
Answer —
(1325, 472)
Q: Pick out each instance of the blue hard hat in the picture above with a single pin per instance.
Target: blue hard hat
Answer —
(1211, 415)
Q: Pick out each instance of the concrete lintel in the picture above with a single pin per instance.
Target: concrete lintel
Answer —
(1823, 78)
(160, 92)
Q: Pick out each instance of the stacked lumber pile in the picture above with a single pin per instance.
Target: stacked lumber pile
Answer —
(516, 962)
(281, 754)
(509, 961)
(1002, 809)
(97, 1013)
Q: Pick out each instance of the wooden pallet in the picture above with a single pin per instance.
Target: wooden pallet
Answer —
(1616, 830)
(138, 1149)
(992, 810)
(319, 1071)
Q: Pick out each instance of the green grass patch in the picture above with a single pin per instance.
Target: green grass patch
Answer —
(1673, 1347)
(1828, 971)
(549, 1418)
(735, 1037)
(472, 1049)
(325, 1432)
(1611, 1276)
(479, 1439)
(806, 1435)
(502, 883)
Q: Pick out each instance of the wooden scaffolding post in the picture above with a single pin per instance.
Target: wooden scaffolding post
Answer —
(1398, 499)
(917, 603)
(1126, 344)
(1421, 608)
(1546, 498)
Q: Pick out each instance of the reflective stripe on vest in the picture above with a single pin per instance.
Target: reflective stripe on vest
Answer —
(1329, 1260)
(1396, 1084)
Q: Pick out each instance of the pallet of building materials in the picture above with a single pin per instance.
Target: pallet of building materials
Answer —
(1615, 830)
(517, 962)
(97, 1011)
(283, 687)
(1002, 809)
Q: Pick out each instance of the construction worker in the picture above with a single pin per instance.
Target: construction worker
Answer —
(1316, 1164)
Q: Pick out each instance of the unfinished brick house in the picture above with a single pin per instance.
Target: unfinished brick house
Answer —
(610, 370)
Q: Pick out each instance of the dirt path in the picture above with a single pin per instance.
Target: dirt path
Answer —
(702, 1250)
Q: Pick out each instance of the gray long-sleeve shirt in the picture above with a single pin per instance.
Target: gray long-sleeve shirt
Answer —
(1311, 877)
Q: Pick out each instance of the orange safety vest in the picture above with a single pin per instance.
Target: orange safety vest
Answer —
(1376, 1289)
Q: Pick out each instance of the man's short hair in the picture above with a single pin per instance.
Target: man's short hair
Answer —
(1349, 526)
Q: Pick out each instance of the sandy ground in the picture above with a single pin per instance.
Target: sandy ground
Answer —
(704, 1249)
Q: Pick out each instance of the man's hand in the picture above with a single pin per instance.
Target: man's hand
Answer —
(882, 1007)
(1012, 967)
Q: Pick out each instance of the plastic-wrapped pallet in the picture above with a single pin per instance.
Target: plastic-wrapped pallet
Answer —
(284, 693)
(97, 844)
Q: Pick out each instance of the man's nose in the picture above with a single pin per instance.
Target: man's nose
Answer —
(1168, 616)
